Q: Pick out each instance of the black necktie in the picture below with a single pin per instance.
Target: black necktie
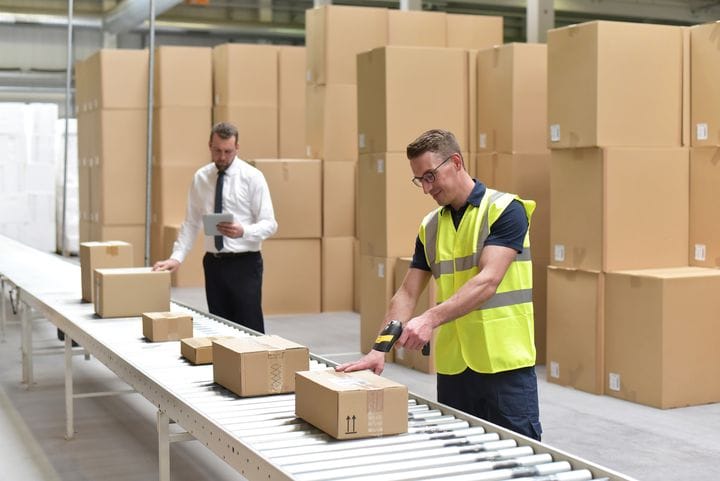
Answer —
(218, 206)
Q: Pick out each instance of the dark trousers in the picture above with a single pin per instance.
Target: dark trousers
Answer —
(508, 399)
(233, 288)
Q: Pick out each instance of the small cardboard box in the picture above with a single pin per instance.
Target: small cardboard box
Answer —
(257, 366)
(95, 255)
(351, 405)
(166, 326)
(198, 350)
(128, 292)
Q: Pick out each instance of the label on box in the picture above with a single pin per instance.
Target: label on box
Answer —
(555, 133)
(614, 381)
(308, 151)
(699, 252)
(380, 166)
(482, 141)
(559, 252)
(381, 270)
(308, 75)
(361, 141)
(554, 369)
(701, 131)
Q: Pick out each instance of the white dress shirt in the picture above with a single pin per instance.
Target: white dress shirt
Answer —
(245, 195)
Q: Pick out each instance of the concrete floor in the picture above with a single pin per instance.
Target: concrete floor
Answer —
(116, 438)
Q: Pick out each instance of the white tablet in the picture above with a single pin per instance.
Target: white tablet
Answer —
(210, 222)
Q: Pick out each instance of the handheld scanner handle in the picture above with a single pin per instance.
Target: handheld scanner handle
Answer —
(385, 341)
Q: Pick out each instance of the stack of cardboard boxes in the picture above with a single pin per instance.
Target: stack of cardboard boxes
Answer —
(626, 316)
(111, 98)
(512, 150)
(397, 101)
(183, 101)
(334, 37)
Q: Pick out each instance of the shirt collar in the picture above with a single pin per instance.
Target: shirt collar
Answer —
(234, 167)
(476, 195)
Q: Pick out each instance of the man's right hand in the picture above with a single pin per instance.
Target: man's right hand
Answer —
(374, 360)
(166, 265)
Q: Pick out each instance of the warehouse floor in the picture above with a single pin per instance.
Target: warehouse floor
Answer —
(116, 438)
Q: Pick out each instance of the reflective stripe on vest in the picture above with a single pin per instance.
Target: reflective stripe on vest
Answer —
(498, 335)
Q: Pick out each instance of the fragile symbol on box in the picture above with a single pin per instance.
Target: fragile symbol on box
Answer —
(701, 131)
(699, 252)
(614, 381)
(554, 369)
(555, 133)
(559, 252)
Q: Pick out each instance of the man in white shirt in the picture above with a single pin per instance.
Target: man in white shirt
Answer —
(233, 263)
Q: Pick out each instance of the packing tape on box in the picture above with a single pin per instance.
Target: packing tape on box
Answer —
(276, 361)
(375, 401)
(112, 250)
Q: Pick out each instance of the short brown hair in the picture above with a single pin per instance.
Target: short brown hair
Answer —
(437, 141)
(224, 130)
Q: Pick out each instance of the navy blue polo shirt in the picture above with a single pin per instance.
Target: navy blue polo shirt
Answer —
(508, 230)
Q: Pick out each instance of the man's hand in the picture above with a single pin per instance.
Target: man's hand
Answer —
(166, 265)
(374, 360)
(231, 229)
(417, 332)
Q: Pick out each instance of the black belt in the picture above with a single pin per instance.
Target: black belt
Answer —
(221, 255)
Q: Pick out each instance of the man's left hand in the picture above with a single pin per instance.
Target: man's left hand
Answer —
(231, 229)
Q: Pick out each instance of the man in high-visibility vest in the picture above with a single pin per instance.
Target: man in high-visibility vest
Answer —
(476, 246)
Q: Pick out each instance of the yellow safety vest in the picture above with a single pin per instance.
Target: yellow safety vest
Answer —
(499, 335)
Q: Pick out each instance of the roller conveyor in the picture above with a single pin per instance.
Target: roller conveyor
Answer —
(260, 437)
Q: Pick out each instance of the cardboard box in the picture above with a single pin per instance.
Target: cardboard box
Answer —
(291, 102)
(113, 79)
(338, 209)
(409, 28)
(170, 186)
(602, 76)
(166, 326)
(335, 35)
(96, 255)
(130, 291)
(351, 405)
(331, 122)
(528, 175)
(415, 359)
(245, 75)
(296, 190)
(540, 296)
(390, 82)
(512, 98)
(257, 129)
(377, 287)
(180, 136)
(191, 272)
(118, 173)
(198, 350)
(662, 333)
(183, 77)
(473, 31)
(575, 328)
(704, 91)
(291, 280)
(356, 275)
(599, 211)
(390, 206)
(258, 365)
(704, 248)
(133, 234)
(337, 279)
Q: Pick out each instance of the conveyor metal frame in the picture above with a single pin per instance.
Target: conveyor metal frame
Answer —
(255, 435)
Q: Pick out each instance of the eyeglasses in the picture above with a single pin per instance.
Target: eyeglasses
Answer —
(429, 176)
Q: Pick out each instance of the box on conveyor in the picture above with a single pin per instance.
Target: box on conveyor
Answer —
(130, 291)
(351, 405)
(166, 326)
(258, 365)
(198, 350)
(96, 255)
